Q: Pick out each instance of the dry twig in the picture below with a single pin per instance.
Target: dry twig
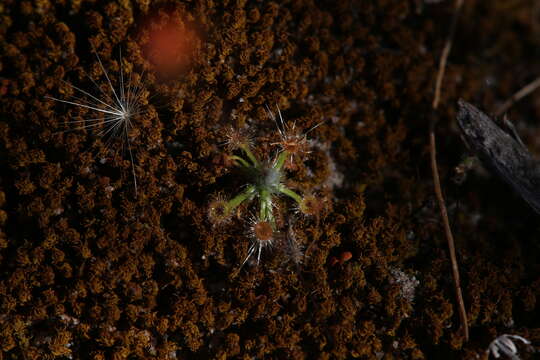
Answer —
(526, 90)
(435, 171)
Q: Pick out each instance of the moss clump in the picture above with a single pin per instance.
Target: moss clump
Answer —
(102, 274)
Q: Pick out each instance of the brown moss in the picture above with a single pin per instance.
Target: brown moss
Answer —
(148, 276)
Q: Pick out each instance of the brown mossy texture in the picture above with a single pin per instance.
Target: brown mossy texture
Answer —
(89, 270)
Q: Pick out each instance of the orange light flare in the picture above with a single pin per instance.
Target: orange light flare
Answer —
(169, 44)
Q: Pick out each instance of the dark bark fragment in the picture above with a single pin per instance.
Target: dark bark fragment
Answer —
(502, 152)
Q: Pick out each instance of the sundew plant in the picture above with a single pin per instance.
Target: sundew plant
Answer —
(265, 183)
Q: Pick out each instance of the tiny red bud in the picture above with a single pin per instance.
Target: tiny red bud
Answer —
(345, 256)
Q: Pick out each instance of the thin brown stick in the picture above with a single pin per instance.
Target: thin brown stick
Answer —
(444, 55)
(526, 90)
(449, 236)
(435, 172)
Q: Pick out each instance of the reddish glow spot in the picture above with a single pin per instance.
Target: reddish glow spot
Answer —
(170, 46)
(345, 256)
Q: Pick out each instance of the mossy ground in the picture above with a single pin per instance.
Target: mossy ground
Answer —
(88, 270)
